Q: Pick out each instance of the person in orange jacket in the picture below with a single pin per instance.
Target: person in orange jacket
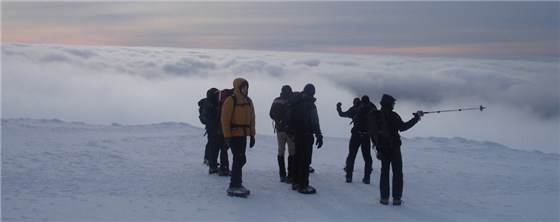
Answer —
(238, 123)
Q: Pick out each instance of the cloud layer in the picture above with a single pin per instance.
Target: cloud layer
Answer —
(139, 85)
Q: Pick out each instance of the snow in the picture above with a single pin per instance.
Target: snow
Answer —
(54, 170)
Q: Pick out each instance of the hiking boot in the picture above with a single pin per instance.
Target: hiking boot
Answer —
(212, 171)
(307, 190)
(295, 186)
(237, 192)
(384, 201)
(348, 175)
(397, 202)
(283, 179)
(289, 180)
(244, 190)
(281, 168)
(224, 172)
(366, 180)
(311, 170)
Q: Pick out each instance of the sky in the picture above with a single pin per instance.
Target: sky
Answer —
(527, 30)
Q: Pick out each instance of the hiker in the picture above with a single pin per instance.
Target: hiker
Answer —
(385, 126)
(215, 136)
(238, 123)
(278, 112)
(304, 124)
(359, 138)
(202, 118)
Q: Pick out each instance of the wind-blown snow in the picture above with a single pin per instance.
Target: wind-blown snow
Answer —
(71, 171)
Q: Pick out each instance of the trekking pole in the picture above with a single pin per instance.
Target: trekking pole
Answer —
(481, 108)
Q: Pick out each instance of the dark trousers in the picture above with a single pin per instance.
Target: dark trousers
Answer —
(391, 160)
(206, 148)
(304, 151)
(238, 146)
(358, 140)
(216, 146)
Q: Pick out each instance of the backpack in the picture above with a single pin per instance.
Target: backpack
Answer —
(202, 111)
(378, 126)
(360, 119)
(224, 94)
(279, 113)
(294, 114)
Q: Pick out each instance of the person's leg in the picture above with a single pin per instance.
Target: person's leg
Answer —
(298, 163)
(238, 145)
(306, 159)
(384, 179)
(366, 154)
(207, 150)
(213, 150)
(282, 140)
(291, 154)
(397, 175)
(224, 159)
(353, 146)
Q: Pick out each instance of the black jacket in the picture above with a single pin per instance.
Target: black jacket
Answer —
(304, 118)
(394, 125)
(359, 116)
(278, 113)
(212, 117)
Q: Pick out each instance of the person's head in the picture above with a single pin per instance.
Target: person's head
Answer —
(212, 94)
(286, 91)
(387, 102)
(241, 85)
(309, 90)
(356, 101)
(365, 99)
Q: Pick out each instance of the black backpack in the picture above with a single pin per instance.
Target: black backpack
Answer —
(378, 126)
(202, 111)
(360, 119)
(296, 113)
(279, 113)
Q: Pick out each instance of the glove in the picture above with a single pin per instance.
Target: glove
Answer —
(379, 156)
(227, 142)
(252, 142)
(319, 142)
(338, 105)
(418, 114)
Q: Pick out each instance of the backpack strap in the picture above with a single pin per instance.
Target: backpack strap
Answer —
(233, 110)
(243, 126)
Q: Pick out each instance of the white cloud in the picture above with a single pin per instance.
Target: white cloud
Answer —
(144, 85)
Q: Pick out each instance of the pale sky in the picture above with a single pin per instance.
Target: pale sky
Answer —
(525, 30)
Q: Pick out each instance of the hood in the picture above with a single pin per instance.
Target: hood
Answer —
(212, 94)
(237, 83)
(286, 91)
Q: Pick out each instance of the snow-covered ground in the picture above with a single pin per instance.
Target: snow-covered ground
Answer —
(72, 171)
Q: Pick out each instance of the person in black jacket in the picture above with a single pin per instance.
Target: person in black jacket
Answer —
(215, 136)
(304, 123)
(360, 137)
(278, 112)
(389, 149)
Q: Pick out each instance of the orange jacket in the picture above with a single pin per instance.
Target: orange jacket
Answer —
(238, 120)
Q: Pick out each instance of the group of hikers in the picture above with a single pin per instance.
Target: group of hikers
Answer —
(229, 117)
